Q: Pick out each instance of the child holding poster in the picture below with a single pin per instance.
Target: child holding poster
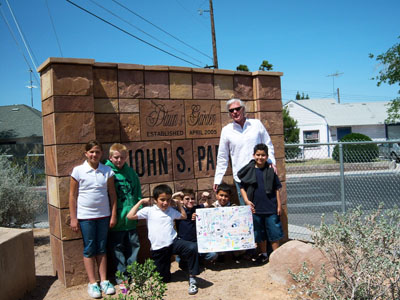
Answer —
(260, 188)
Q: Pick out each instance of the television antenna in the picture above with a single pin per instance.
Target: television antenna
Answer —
(336, 74)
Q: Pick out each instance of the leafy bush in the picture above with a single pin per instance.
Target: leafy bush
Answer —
(19, 203)
(356, 152)
(364, 258)
(144, 282)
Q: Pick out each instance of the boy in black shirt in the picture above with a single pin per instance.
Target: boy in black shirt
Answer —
(260, 189)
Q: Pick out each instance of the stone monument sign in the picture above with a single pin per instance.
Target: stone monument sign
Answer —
(170, 118)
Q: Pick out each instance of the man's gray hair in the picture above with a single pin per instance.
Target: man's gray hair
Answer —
(234, 100)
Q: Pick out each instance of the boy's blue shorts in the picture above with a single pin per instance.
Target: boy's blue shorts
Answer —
(267, 227)
(94, 233)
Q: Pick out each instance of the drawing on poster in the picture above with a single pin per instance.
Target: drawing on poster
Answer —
(224, 229)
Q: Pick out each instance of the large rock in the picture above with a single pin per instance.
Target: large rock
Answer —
(291, 256)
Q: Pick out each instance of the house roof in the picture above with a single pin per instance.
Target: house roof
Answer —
(20, 121)
(346, 114)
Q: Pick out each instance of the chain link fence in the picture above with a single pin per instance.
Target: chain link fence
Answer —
(323, 178)
(33, 165)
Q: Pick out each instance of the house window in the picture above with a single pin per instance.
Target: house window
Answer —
(311, 137)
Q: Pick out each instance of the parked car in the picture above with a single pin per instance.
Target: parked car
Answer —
(389, 151)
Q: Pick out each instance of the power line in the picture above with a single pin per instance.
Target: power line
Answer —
(16, 42)
(159, 28)
(165, 44)
(22, 36)
(54, 28)
(130, 34)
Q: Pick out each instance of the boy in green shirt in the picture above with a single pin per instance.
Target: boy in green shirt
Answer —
(123, 240)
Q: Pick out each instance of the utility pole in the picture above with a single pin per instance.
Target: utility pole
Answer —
(31, 86)
(337, 74)
(214, 42)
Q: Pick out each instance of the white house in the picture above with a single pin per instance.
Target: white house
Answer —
(325, 120)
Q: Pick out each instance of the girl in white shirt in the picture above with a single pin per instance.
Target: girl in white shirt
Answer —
(92, 205)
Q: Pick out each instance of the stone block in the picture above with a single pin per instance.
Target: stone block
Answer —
(130, 127)
(129, 105)
(49, 137)
(205, 157)
(180, 85)
(203, 86)
(67, 104)
(284, 193)
(68, 261)
(272, 121)
(106, 106)
(144, 251)
(58, 191)
(156, 85)
(205, 183)
(279, 146)
(105, 83)
(203, 119)
(57, 258)
(151, 160)
(130, 83)
(268, 105)
(185, 184)
(107, 128)
(280, 165)
(50, 161)
(162, 119)
(285, 224)
(59, 220)
(67, 128)
(72, 80)
(223, 86)
(243, 87)
(225, 119)
(75, 272)
(46, 84)
(17, 260)
(182, 159)
(61, 159)
(268, 87)
(145, 190)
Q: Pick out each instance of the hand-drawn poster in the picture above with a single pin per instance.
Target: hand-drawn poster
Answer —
(224, 229)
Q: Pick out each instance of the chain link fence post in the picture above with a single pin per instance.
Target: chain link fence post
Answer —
(342, 191)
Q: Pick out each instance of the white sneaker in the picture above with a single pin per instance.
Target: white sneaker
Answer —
(107, 287)
(94, 290)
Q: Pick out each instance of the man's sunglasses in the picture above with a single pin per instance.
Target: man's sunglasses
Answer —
(235, 109)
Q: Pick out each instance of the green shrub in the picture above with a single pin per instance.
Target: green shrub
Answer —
(356, 152)
(144, 282)
(364, 258)
(19, 202)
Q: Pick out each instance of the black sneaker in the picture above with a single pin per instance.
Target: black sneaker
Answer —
(193, 288)
(261, 260)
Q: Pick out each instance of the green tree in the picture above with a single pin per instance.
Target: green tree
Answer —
(298, 97)
(242, 68)
(265, 66)
(390, 74)
(290, 134)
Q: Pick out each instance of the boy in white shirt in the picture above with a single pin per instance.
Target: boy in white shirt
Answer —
(163, 237)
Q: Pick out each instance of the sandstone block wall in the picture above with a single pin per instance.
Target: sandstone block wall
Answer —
(169, 117)
(17, 261)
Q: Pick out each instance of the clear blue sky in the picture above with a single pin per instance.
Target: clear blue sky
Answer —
(305, 39)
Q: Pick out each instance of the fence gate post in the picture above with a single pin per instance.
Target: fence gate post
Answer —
(342, 195)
